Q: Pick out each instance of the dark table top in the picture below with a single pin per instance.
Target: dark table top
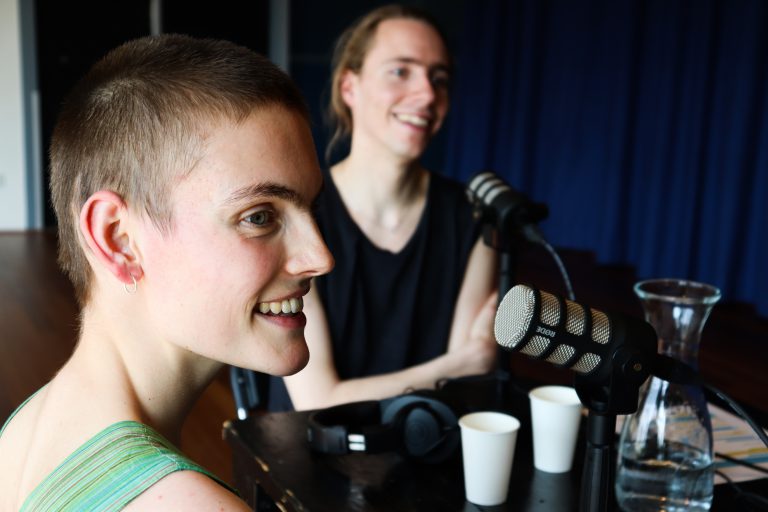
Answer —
(361, 482)
(271, 452)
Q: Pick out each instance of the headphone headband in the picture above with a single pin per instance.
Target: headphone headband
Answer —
(415, 424)
(352, 427)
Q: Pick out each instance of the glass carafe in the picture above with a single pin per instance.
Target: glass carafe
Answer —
(665, 447)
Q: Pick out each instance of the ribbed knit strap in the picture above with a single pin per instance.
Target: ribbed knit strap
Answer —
(109, 470)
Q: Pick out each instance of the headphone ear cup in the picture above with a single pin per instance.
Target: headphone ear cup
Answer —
(429, 428)
(422, 431)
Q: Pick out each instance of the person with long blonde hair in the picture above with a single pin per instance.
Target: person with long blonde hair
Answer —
(411, 300)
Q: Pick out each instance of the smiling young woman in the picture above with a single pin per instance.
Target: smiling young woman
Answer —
(412, 298)
(183, 175)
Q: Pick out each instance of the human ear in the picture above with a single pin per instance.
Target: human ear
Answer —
(347, 87)
(103, 225)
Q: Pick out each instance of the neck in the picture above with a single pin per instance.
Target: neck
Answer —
(380, 183)
(385, 201)
(134, 377)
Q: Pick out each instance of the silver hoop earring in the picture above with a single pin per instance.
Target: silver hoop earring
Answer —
(132, 289)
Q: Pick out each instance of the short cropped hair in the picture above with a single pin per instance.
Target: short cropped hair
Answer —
(138, 120)
(349, 53)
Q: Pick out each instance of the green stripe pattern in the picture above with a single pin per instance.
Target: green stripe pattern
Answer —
(109, 470)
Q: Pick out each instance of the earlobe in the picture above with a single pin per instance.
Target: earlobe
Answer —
(103, 227)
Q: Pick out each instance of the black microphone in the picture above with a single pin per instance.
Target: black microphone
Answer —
(594, 344)
(612, 355)
(497, 203)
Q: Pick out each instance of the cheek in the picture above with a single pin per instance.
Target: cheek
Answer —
(259, 268)
(239, 271)
(382, 96)
(442, 103)
(441, 110)
(211, 297)
(227, 269)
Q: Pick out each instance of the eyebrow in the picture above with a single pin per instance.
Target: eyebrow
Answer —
(265, 190)
(410, 60)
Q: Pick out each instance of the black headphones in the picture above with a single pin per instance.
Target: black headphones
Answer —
(418, 425)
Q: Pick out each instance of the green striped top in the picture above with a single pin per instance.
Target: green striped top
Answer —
(109, 470)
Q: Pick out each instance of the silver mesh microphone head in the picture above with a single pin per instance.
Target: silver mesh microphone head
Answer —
(514, 316)
(485, 187)
(549, 315)
(474, 184)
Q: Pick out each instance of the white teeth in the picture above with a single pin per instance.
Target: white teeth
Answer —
(408, 118)
(292, 306)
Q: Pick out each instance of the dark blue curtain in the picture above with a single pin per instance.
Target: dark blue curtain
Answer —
(643, 124)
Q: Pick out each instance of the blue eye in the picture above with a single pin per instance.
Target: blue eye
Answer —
(261, 218)
(400, 72)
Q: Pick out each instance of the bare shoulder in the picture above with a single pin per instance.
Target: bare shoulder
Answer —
(187, 490)
(10, 473)
(16, 449)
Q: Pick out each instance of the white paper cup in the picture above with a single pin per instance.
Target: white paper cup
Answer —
(488, 447)
(555, 418)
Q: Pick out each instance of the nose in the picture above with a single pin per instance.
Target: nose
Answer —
(424, 88)
(310, 256)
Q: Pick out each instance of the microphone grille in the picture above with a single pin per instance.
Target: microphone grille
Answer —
(561, 354)
(601, 327)
(574, 315)
(587, 362)
(477, 180)
(486, 186)
(515, 322)
(536, 346)
(514, 316)
(550, 309)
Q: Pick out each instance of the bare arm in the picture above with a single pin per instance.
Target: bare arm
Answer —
(318, 385)
(472, 326)
(187, 490)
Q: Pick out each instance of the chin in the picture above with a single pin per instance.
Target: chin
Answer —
(413, 152)
(291, 361)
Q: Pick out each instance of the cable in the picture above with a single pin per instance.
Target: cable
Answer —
(741, 462)
(741, 412)
(534, 235)
(753, 500)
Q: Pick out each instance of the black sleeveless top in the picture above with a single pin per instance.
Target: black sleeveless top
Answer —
(388, 311)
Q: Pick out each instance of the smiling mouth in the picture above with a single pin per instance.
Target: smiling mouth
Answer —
(419, 121)
(285, 307)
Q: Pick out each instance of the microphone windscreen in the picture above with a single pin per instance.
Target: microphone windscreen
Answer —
(514, 316)
(521, 307)
(529, 321)
(485, 187)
